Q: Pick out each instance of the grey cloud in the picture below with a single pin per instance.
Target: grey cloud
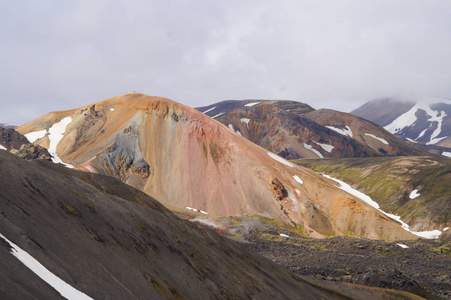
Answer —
(339, 54)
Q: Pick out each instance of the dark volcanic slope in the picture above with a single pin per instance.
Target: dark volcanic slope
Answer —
(14, 142)
(109, 240)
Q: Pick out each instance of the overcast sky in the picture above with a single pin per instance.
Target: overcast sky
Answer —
(57, 55)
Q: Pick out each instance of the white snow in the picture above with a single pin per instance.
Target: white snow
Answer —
(414, 194)
(298, 179)
(434, 234)
(61, 286)
(280, 159)
(197, 210)
(284, 235)
(56, 133)
(409, 118)
(410, 140)
(377, 138)
(231, 127)
(251, 104)
(306, 146)
(445, 229)
(403, 246)
(347, 131)
(112, 109)
(326, 147)
(220, 114)
(245, 120)
(448, 154)
(210, 109)
(33, 136)
(239, 132)
(2, 148)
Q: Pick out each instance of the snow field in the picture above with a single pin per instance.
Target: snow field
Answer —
(280, 159)
(377, 138)
(309, 147)
(326, 147)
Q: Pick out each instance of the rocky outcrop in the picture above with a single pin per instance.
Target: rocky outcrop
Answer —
(186, 159)
(17, 144)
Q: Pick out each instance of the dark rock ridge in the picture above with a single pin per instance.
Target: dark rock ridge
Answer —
(111, 241)
(17, 144)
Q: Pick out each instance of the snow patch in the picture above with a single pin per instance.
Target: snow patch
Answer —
(314, 150)
(112, 109)
(403, 246)
(231, 127)
(220, 114)
(245, 120)
(33, 136)
(251, 104)
(280, 159)
(410, 140)
(377, 138)
(54, 281)
(346, 131)
(448, 154)
(210, 109)
(434, 234)
(56, 134)
(445, 229)
(197, 210)
(414, 194)
(298, 179)
(239, 132)
(326, 147)
(284, 235)
(2, 148)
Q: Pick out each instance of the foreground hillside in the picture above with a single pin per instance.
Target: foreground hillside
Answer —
(187, 160)
(108, 240)
(416, 188)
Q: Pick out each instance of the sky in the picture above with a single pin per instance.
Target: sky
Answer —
(58, 55)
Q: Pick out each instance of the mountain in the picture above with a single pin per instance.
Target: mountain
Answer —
(189, 161)
(296, 130)
(364, 132)
(81, 235)
(418, 189)
(427, 121)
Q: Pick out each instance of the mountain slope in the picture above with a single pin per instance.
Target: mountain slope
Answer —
(363, 131)
(427, 121)
(295, 130)
(109, 240)
(186, 159)
(416, 188)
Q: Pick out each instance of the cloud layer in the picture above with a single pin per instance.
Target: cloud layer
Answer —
(58, 55)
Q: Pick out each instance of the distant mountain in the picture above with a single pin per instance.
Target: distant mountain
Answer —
(295, 130)
(427, 121)
(189, 161)
(82, 235)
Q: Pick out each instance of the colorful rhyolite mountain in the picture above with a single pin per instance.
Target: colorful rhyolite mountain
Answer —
(295, 130)
(427, 121)
(188, 160)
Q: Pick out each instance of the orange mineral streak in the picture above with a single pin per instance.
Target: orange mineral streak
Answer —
(193, 160)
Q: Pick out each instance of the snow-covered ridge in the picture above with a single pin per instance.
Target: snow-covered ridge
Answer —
(55, 134)
(66, 290)
(309, 147)
(434, 234)
(409, 118)
(346, 131)
(377, 138)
